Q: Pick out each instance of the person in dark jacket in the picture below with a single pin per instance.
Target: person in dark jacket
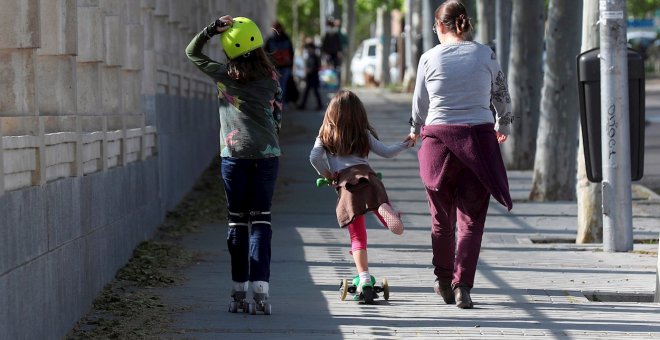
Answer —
(312, 81)
(280, 48)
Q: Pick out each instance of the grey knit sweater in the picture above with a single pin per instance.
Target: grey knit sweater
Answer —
(456, 82)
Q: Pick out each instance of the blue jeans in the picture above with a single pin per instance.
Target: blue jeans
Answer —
(249, 187)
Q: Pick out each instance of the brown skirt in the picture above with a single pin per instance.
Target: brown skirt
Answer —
(360, 191)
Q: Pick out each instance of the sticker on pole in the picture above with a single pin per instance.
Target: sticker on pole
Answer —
(611, 15)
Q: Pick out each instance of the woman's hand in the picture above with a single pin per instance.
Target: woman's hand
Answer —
(501, 138)
(411, 139)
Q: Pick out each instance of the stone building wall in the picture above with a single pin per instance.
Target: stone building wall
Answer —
(105, 126)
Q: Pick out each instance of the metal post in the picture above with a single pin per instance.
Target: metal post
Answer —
(615, 140)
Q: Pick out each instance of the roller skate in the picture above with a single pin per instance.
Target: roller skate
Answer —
(260, 296)
(366, 292)
(238, 296)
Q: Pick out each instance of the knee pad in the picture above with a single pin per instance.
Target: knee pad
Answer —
(260, 217)
(236, 220)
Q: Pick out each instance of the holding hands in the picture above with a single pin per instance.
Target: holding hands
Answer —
(411, 139)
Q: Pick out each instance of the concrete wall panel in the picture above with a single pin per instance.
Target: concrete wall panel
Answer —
(91, 43)
(19, 24)
(56, 85)
(59, 27)
(17, 82)
(88, 89)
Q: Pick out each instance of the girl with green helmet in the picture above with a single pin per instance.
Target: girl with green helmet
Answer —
(250, 109)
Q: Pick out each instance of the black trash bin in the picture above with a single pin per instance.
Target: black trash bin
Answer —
(589, 94)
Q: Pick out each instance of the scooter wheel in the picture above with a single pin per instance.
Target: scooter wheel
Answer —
(386, 290)
(343, 289)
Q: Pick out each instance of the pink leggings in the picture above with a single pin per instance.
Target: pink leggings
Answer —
(358, 232)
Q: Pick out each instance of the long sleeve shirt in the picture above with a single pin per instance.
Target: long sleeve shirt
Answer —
(250, 113)
(456, 83)
(334, 163)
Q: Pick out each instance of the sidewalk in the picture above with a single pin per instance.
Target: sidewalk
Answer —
(525, 285)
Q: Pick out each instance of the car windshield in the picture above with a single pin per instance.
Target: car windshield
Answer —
(372, 51)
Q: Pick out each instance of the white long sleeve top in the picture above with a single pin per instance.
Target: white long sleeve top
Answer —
(323, 160)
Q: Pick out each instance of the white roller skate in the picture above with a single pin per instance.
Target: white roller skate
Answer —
(260, 295)
(238, 297)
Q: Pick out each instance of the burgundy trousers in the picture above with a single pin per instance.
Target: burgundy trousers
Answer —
(458, 209)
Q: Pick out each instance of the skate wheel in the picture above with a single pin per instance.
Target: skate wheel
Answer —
(386, 290)
(343, 289)
(233, 307)
(267, 309)
(252, 308)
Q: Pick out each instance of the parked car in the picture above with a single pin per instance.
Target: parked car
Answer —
(641, 41)
(363, 64)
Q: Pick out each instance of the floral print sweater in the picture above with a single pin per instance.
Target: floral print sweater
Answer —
(250, 113)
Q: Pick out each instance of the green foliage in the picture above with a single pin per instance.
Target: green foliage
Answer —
(309, 17)
(640, 8)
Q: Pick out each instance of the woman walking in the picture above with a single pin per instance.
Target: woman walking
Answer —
(459, 159)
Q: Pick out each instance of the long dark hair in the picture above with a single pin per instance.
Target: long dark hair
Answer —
(453, 15)
(252, 66)
(345, 126)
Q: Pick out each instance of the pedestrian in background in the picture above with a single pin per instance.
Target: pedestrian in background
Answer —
(312, 81)
(459, 159)
(332, 45)
(280, 48)
(247, 85)
(340, 154)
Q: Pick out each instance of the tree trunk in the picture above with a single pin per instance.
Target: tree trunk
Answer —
(348, 21)
(384, 35)
(525, 79)
(486, 21)
(556, 144)
(589, 195)
(503, 34)
(413, 42)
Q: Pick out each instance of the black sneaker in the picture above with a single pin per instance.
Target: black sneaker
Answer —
(368, 294)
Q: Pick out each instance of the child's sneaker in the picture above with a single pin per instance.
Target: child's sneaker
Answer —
(390, 218)
(365, 289)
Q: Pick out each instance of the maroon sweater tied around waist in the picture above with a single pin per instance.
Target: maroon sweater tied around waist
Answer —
(475, 146)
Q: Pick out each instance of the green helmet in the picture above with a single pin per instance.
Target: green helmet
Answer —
(241, 38)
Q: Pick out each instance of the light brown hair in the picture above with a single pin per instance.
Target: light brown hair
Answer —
(252, 66)
(345, 128)
(453, 15)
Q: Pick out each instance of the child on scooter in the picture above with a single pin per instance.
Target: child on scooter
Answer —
(346, 138)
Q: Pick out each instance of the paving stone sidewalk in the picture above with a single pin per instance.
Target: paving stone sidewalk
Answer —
(530, 280)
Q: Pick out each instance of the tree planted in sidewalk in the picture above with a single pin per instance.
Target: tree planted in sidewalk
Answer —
(525, 80)
(556, 143)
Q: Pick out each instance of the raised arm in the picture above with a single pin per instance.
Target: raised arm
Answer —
(194, 49)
